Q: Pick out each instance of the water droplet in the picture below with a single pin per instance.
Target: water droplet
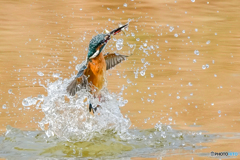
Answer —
(215, 75)
(119, 44)
(193, 0)
(139, 111)
(166, 41)
(152, 75)
(56, 75)
(75, 58)
(195, 106)
(212, 104)
(196, 52)
(125, 4)
(207, 65)
(170, 118)
(208, 42)
(136, 73)
(142, 72)
(145, 120)
(171, 29)
(203, 67)
(10, 91)
(138, 39)
(4, 106)
(29, 101)
(196, 29)
(189, 83)
(178, 97)
(219, 112)
(40, 73)
(175, 35)
(183, 31)
(194, 60)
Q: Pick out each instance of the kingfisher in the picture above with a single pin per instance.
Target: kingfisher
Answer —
(92, 74)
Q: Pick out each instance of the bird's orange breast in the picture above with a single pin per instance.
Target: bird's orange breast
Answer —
(96, 72)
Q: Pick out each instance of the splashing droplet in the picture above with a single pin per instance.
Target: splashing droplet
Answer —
(40, 73)
(208, 42)
(29, 101)
(10, 91)
(196, 52)
(4, 106)
(119, 44)
(142, 73)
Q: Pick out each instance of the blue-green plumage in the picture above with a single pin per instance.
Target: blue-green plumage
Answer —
(94, 43)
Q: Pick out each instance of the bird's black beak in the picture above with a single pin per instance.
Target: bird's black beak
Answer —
(114, 32)
(117, 30)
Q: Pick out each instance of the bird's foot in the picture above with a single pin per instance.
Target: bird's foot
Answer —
(91, 109)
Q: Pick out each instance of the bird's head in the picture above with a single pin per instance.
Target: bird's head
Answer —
(98, 42)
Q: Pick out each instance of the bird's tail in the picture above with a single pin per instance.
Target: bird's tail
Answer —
(72, 87)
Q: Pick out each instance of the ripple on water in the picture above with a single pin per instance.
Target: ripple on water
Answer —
(141, 143)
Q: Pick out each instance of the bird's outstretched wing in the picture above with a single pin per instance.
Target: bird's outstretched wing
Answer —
(112, 59)
(79, 82)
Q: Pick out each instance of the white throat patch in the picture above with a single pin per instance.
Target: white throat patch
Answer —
(94, 55)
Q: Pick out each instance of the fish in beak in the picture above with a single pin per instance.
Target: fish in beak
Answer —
(114, 32)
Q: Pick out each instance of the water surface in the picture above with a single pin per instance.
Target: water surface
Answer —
(183, 73)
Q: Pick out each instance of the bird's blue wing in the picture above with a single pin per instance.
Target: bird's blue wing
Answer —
(79, 82)
(80, 72)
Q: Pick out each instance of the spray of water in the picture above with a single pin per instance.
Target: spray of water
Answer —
(68, 118)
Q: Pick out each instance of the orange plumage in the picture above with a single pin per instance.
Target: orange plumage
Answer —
(96, 71)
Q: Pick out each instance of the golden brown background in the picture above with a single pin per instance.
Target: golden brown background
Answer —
(46, 35)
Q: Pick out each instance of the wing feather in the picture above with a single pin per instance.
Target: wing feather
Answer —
(79, 82)
(112, 59)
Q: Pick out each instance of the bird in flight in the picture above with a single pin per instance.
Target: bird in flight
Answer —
(92, 74)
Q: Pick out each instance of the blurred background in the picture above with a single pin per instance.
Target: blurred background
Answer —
(184, 70)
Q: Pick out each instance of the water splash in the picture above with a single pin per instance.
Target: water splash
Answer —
(68, 117)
